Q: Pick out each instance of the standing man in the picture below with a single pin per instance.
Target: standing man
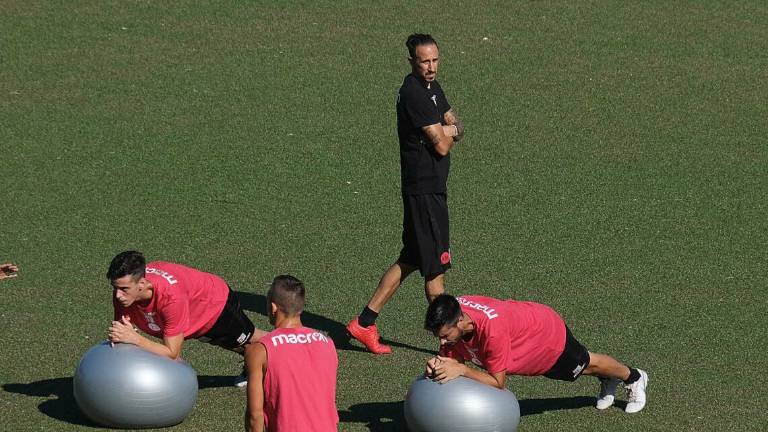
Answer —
(173, 302)
(291, 370)
(507, 337)
(427, 129)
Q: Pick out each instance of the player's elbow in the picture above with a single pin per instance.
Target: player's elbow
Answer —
(254, 421)
(173, 354)
(500, 382)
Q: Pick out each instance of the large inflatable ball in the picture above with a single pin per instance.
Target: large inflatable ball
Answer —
(460, 405)
(125, 386)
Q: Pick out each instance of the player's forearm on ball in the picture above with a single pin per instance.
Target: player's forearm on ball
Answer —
(157, 348)
(483, 377)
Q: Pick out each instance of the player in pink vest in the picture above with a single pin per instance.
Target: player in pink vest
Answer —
(291, 370)
(508, 337)
(173, 303)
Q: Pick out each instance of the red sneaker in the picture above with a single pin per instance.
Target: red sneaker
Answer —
(368, 336)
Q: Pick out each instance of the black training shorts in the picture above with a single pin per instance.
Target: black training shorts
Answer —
(572, 362)
(425, 234)
(233, 329)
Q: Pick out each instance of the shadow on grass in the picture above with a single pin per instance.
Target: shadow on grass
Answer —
(63, 407)
(336, 330)
(377, 416)
(538, 406)
(388, 416)
(215, 381)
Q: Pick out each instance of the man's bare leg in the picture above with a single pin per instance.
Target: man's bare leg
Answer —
(434, 287)
(363, 327)
(388, 285)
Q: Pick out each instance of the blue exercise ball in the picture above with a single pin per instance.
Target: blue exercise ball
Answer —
(125, 386)
(460, 405)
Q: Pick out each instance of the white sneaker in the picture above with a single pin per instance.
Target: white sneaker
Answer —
(241, 380)
(607, 393)
(636, 393)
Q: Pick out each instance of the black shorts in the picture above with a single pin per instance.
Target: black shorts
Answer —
(233, 329)
(425, 234)
(572, 362)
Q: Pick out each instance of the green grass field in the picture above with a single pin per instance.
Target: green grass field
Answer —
(615, 167)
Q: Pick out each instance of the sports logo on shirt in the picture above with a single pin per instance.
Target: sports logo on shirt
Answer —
(150, 317)
(473, 353)
(434, 99)
(298, 338)
(488, 311)
(163, 274)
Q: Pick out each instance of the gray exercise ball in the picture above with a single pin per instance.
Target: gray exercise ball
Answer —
(460, 405)
(127, 387)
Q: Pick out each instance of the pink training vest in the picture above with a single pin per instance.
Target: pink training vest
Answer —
(185, 300)
(300, 383)
(520, 338)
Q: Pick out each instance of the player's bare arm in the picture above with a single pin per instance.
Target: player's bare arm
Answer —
(431, 371)
(8, 270)
(448, 369)
(436, 135)
(453, 121)
(256, 361)
(124, 332)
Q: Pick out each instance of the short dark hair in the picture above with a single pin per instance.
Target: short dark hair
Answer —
(127, 263)
(287, 293)
(418, 39)
(443, 311)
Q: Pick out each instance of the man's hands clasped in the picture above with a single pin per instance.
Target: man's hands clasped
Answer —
(443, 369)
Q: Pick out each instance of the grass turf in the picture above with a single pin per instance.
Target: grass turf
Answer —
(614, 168)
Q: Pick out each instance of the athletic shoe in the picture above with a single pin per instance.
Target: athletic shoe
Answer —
(636, 393)
(241, 381)
(607, 393)
(368, 336)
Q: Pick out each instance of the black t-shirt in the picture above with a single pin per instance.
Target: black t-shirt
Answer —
(422, 169)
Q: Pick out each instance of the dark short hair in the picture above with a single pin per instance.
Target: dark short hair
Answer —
(127, 263)
(443, 311)
(287, 293)
(416, 40)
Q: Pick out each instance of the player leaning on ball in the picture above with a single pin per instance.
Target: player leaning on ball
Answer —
(508, 337)
(174, 302)
(427, 129)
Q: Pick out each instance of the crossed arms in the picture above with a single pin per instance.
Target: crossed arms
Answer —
(444, 137)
